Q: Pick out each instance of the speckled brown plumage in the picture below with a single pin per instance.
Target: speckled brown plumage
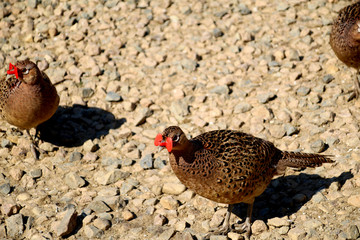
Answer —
(230, 166)
(28, 100)
(345, 39)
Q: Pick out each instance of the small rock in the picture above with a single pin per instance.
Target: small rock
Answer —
(110, 177)
(242, 107)
(168, 202)
(189, 64)
(141, 116)
(159, 163)
(352, 232)
(127, 215)
(102, 224)
(166, 235)
(88, 219)
(147, 162)
(277, 131)
(312, 224)
(15, 226)
(16, 173)
(303, 91)
(173, 188)
(222, 89)
(23, 196)
(278, 222)
(354, 200)
(265, 97)
(5, 188)
(87, 92)
(234, 236)
(99, 206)
(33, 3)
(5, 143)
(258, 227)
(297, 233)
(217, 32)
(92, 232)
(290, 129)
(9, 209)
(89, 146)
(112, 97)
(74, 181)
(160, 220)
(75, 156)
(36, 173)
(318, 146)
(243, 9)
(67, 223)
(328, 78)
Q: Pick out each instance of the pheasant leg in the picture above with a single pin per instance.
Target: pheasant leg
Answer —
(225, 227)
(356, 92)
(33, 146)
(246, 226)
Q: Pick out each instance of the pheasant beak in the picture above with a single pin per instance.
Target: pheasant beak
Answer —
(161, 143)
(13, 70)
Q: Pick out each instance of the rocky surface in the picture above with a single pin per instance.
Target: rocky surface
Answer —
(125, 70)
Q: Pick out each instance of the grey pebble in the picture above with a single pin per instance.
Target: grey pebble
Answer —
(265, 97)
(75, 156)
(303, 91)
(242, 107)
(217, 32)
(318, 146)
(5, 188)
(15, 225)
(93, 232)
(147, 162)
(159, 163)
(328, 78)
(222, 89)
(33, 3)
(5, 143)
(73, 180)
(99, 206)
(243, 9)
(352, 232)
(290, 129)
(87, 92)
(36, 173)
(113, 97)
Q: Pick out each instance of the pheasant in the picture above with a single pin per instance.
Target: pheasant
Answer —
(345, 40)
(27, 97)
(229, 167)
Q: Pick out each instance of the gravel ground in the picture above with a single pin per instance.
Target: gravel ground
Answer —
(126, 70)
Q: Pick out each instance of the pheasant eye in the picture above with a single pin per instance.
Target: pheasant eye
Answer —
(25, 71)
(176, 138)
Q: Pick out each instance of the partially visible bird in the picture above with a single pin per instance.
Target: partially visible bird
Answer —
(27, 97)
(229, 166)
(345, 40)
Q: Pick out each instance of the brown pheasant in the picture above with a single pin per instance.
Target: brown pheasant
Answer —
(345, 40)
(27, 97)
(229, 166)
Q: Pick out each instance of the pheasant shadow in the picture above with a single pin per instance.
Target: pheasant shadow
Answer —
(72, 126)
(279, 199)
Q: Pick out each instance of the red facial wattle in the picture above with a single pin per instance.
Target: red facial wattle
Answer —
(169, 144)
(159, 142)
(158, 139)
(13, 70)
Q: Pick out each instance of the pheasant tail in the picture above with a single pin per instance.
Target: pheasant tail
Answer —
(302, 160)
